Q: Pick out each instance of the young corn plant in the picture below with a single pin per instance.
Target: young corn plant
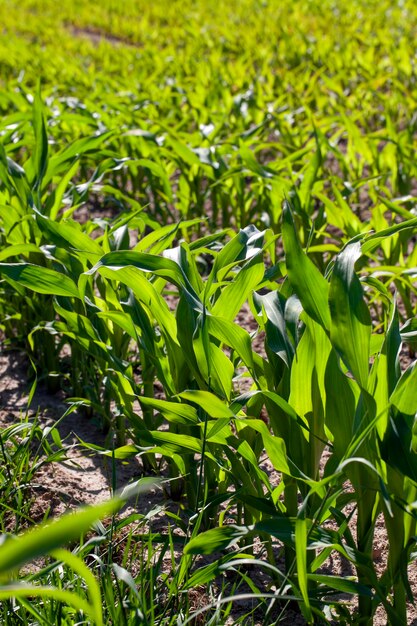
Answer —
(334, 397)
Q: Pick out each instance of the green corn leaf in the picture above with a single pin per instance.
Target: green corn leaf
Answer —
(40, 154)
(374, 240)
(144, 291)
(209, 572)
(59, 162)
(233, 295)
(176, 442)
(212, 363)
(350, 319)
(245, 450)
(277, 337)
(159, 171)
(404, 396)
(274, 446)
(309, 178)
(344, 585)
(283, 528)
(342, 396)
(408, 332)
(210, 403)
(123, 320)
(40, 279)
(306, 280)
(218, 430)
(386, 371)
(23, 249)
(184, 152)
(240, 248)
(54, 202)
(301, 559)
(159, 266)
(126, 577)
(234, 336)
(16, 179)
(307, 373)
(67, 234)
(399, 447)
(216, 539)
(263, 505)
(172, 411)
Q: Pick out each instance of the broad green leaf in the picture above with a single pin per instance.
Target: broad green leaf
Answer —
(404, 396)
(40, 279)
(232, 296)
(144, 291)
(342, 395)
(344, 585)
(277, 336)
(210, 403)
(244, 245)
(283, 528)
(274, 446)
(173, 411)
(67, 234)
(16, 176)
(399, 447)
(212, 362)
(23, 249)
(157, 170)
(161, 238)
(308, 371)
(245, 450)
(176, 442)
(350, 319)
(209, 572)
(59, 162)
(374, 240)
(386, 371)
(184, 152)
(263, 505)
(123, 320)
(157, 265)
(233, 336)
(216, 539)
(305, 278)
(309, 178)
(54, 202)
(40, 153)
(301, 559)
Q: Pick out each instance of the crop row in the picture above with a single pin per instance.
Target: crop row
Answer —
(207, 228)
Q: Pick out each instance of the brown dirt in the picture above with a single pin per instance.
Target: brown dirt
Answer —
(84, 477)
(97, 36)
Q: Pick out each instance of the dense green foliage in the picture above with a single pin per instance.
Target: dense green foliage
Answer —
(212, 208)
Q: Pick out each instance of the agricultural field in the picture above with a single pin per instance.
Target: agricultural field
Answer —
(208, 312)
